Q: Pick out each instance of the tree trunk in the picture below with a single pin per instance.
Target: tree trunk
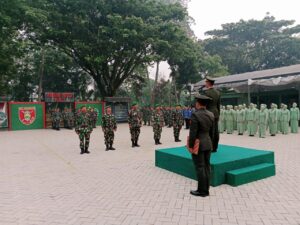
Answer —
(41, 75)
(155, 84)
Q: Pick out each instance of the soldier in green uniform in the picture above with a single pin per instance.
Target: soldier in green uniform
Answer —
(135, 123)
(285, 119)
(170, 113)
(240, 119)
(222, 120)
(157, 121)
(229, 117)
(279, 124)
(109, 126)
(256, 118)
(235, 109)
(178, 122)
(263, 120)
(273, 120)
(251, 120)
(214, 107)
(295, 117)
(83, 128)
(245, 110)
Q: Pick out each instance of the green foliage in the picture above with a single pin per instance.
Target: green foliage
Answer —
(255, 44)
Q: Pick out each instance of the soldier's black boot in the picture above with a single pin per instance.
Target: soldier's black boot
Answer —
(107, 148)
(82, 151)
(87, 151)
(111, 147)
(133, 144)
(158, 142)
(136, 143)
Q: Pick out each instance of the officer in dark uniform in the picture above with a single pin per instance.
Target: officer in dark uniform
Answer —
(214, 107)
(202, 128)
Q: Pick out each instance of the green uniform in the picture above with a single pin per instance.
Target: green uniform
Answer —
(229, 117)
(109, 125)
(135, 123)
(285, 119)
(256, 118)
(263, 121)
(251, 121)
(222, 121)
(214, 107)
(157, 121)
(240, 119)
(273, 121)
(295, 117)
(178, 122)
(279, 128)
(235, 118)
(83, 128)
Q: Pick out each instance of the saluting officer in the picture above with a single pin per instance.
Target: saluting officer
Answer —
(135, 123)
(214, 107)
(109, 126)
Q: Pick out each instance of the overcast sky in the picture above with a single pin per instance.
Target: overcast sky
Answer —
(210, 14)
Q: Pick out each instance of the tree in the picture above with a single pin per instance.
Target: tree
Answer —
(108, 39)
(255, 44)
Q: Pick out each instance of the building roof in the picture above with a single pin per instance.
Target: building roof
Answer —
(262, 74)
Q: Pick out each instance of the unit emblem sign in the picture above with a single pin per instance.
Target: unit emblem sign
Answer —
(27, 115)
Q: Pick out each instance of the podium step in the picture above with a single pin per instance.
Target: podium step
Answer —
(249, 174)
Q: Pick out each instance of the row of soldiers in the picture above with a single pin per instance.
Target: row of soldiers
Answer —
(68, 117)
(167, 113)
(253, 120)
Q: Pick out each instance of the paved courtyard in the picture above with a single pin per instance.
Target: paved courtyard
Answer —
(44, 180)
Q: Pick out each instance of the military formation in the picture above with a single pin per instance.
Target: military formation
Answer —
(259, 121)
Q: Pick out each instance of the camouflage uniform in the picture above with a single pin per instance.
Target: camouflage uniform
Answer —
(68, 119)
(83, 128)
(109, 125)
(135, 123)
(178, 122)
(56, 117)
(94, 117)
(157, 121)
(170, 119)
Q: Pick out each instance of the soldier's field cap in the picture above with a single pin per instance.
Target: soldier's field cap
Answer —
(202, 97)
(208, 78)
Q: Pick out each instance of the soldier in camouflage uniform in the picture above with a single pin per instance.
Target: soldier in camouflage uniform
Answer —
(109, 126)
(56, 117)
(83, 128)
(94, 117)
(178, 122)
(148, 116)
(67, 116)
(157, 121)
(135, 123)
(170, 117)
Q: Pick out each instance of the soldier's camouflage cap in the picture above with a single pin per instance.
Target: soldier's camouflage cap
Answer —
(133, 103)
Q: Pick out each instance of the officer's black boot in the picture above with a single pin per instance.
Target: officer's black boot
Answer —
(156, 142)
(133, 144)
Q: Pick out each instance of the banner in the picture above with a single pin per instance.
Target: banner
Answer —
(59, 97)
(27, 115)
(98, 107)
(3, 115)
